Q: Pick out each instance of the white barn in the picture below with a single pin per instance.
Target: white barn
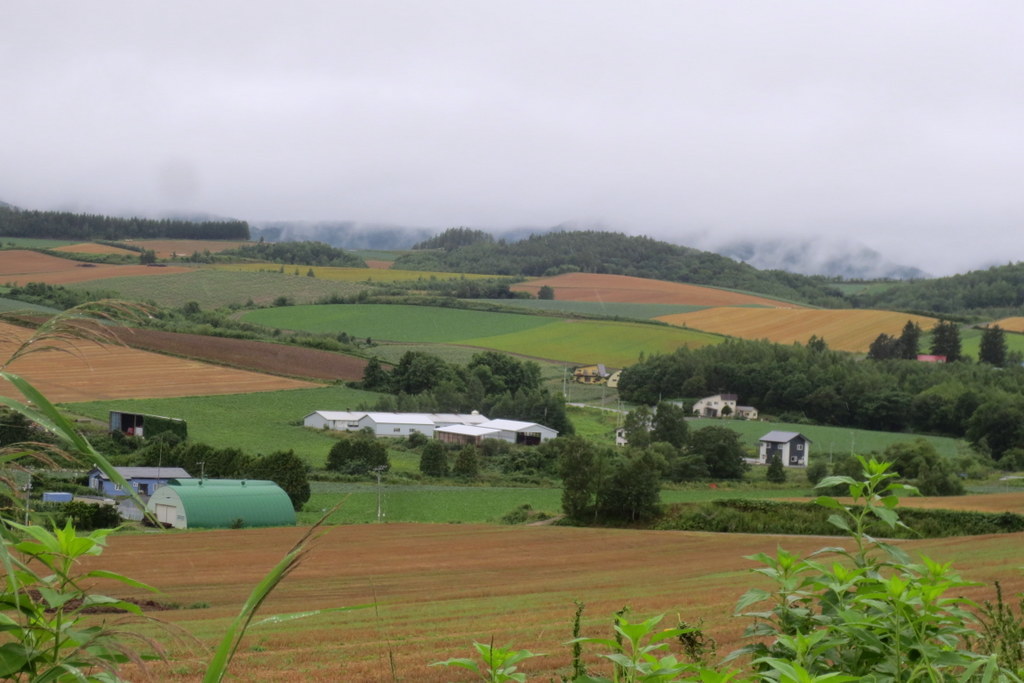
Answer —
(514, 431)
(338, 420)
(397, 424)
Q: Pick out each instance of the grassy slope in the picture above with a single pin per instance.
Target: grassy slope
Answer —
(396, 323)
(256, 423)
(616, 344)
(598, 308)
(32, 243)
(216, 289)
(613, 343)
(348, 274)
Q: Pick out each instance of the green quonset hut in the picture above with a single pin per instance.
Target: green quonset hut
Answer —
(221, 504)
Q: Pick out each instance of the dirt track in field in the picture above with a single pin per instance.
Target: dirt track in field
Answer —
(625, 289)
(277, 359)
(20, 267)
(439, 587)
(94, 373)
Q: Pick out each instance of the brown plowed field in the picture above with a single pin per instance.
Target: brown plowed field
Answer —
(169, 248)
(637, 290)
(277, 359)
(110, 372)
(93, 248)
(843, 330)
(20, 267)
(380, 265)
(439, 587)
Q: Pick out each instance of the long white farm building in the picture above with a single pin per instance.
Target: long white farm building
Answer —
(430, 424)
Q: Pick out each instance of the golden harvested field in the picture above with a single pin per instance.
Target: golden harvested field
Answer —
(625, 289)
(93, 248)
(111, 372)
(20, 267)
(439, 587)
(844, 330)
(1014, 324)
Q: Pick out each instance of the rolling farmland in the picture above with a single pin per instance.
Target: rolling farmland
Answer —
(438, 587)
(844, 330)
(395, 323)
(625, 289)
(1014, 324)
(258, 356)
(94, 248)
(215, 289)
(615, 344)
(378, 274)
(20, 267)
(89, 372)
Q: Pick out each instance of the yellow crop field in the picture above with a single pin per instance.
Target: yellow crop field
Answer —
(1014, 324)
(843, 330)
(350, 274)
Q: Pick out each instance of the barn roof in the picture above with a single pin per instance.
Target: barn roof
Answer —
(338, 414)
(514, 426)
(468, 430)
(400, 418)
(146, 473)
(218, 503)
(782, 437)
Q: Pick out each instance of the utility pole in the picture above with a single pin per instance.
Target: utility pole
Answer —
(379, 470)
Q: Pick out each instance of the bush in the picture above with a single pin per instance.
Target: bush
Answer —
(358, 455)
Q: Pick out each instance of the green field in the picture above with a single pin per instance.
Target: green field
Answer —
(396, 323)
(256, 423)
(221, 288)
(32, 243)
(970, 342)
(478, 504)
(349, 274)
(597, 309)
(9, 305)
(830, 440)
(616, 344)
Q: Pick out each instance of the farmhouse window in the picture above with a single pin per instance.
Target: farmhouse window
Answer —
(799, 446)
(398, 429)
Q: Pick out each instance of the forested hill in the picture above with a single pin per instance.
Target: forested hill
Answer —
(616, 253)
(76, 226)
(993, 293)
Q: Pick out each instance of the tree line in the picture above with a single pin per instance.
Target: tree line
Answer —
(813, 384)
(76, 226)
(493, 383)
(297, 253)
(463, 250)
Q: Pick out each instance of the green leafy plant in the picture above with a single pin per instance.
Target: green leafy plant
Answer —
(640, 653)
(43, 604)
(496, 665)
(871, 614)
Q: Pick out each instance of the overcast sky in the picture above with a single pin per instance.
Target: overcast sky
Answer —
(899, 124)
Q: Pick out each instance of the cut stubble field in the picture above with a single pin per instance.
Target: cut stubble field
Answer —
(843, 330)
(439, 587)
(88, 371)
(625, 289)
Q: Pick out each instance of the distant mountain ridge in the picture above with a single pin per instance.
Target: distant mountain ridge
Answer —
(817, 256)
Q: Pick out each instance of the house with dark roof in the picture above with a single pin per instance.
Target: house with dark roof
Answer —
(143, 480)
(792, 447)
